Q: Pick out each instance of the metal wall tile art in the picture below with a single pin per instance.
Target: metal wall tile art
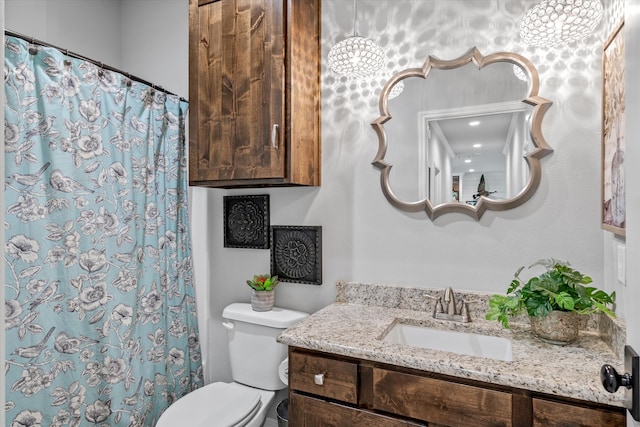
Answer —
(246, 221)
(296, 254)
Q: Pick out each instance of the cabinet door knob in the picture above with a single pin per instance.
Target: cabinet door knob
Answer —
(318, 379)
(274, 136)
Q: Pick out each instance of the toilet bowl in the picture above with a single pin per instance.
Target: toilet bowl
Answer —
(245, 401)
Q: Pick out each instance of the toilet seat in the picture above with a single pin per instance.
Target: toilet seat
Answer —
(225, 404)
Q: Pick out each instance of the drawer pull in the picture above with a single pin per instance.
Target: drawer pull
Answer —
(318, 379)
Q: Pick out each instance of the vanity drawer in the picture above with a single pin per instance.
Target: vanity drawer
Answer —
(305, 411)
(439, 401)
(557, 414)
(323, 376)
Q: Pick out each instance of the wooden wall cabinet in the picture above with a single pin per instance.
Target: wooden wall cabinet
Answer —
(358, 393)
(254, 93)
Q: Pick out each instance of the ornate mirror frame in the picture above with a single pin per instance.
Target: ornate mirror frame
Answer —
(541, 148)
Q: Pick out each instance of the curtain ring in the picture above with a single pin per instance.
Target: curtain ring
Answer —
(33, 49)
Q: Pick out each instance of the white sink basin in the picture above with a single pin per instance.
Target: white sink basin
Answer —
(452, 341)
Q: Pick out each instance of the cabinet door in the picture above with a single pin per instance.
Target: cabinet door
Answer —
(440, 402)
(556, 414)
(237, 90)
(307, 411)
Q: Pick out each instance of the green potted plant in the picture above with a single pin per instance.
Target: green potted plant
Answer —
(262, 291)
(553, 300)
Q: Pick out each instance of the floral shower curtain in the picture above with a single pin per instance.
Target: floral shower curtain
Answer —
(101, 324)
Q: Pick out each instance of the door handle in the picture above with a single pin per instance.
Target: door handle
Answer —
(612, 381)
(274, 136)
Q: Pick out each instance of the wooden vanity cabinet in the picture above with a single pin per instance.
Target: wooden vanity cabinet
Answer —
(547, 413)
(328, 390)
(313, 412)
(439, 401)
(254, 89)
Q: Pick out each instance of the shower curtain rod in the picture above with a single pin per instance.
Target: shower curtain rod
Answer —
(84, 58)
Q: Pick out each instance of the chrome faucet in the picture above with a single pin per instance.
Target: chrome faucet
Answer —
(451, 310)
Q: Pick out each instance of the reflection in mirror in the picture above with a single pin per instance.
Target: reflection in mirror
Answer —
(463, 135)
(486, 142)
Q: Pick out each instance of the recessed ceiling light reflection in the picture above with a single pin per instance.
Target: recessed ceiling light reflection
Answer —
(467, 160)
(477, 145)
(474, 123)
(472, 170)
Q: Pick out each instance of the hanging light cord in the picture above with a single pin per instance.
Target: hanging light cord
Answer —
(355, 19)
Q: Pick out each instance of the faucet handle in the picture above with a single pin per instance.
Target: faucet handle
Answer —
(438, 308)
(464, 312)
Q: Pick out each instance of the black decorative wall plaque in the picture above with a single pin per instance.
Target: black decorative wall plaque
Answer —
(296, 254)
(246, 221)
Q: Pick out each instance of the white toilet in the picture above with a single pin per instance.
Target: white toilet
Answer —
(258, 363)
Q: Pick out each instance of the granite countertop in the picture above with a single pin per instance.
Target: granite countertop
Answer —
(363, 313)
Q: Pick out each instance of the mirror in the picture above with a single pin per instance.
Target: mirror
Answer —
(462, 135)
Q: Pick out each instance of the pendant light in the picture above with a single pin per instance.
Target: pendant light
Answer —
(396, 90)
(355, 56)
(556, 22)
(519, 73)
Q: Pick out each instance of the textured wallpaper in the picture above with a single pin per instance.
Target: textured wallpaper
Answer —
(409, 30)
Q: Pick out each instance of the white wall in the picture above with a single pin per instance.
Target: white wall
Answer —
(631, 293)
(88, 27)
(364, 237)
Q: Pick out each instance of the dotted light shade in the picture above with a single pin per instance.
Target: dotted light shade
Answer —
(356, 57)
(556, 22)
(519, 73)
(396, 89)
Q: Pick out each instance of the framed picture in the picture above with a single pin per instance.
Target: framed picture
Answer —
(296, 254)
(246, 221)
(613, 133)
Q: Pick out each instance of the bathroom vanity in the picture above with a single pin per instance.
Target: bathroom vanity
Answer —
(344, 370)
(357, 392)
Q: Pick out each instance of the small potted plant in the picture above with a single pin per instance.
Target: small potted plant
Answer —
(553, 300)
(262, 291)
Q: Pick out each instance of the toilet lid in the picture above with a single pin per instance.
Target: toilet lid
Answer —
(226, 404)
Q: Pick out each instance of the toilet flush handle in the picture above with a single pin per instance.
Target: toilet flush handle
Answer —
(228, 325)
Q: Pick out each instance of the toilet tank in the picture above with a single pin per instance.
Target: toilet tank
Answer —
(253, 350)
